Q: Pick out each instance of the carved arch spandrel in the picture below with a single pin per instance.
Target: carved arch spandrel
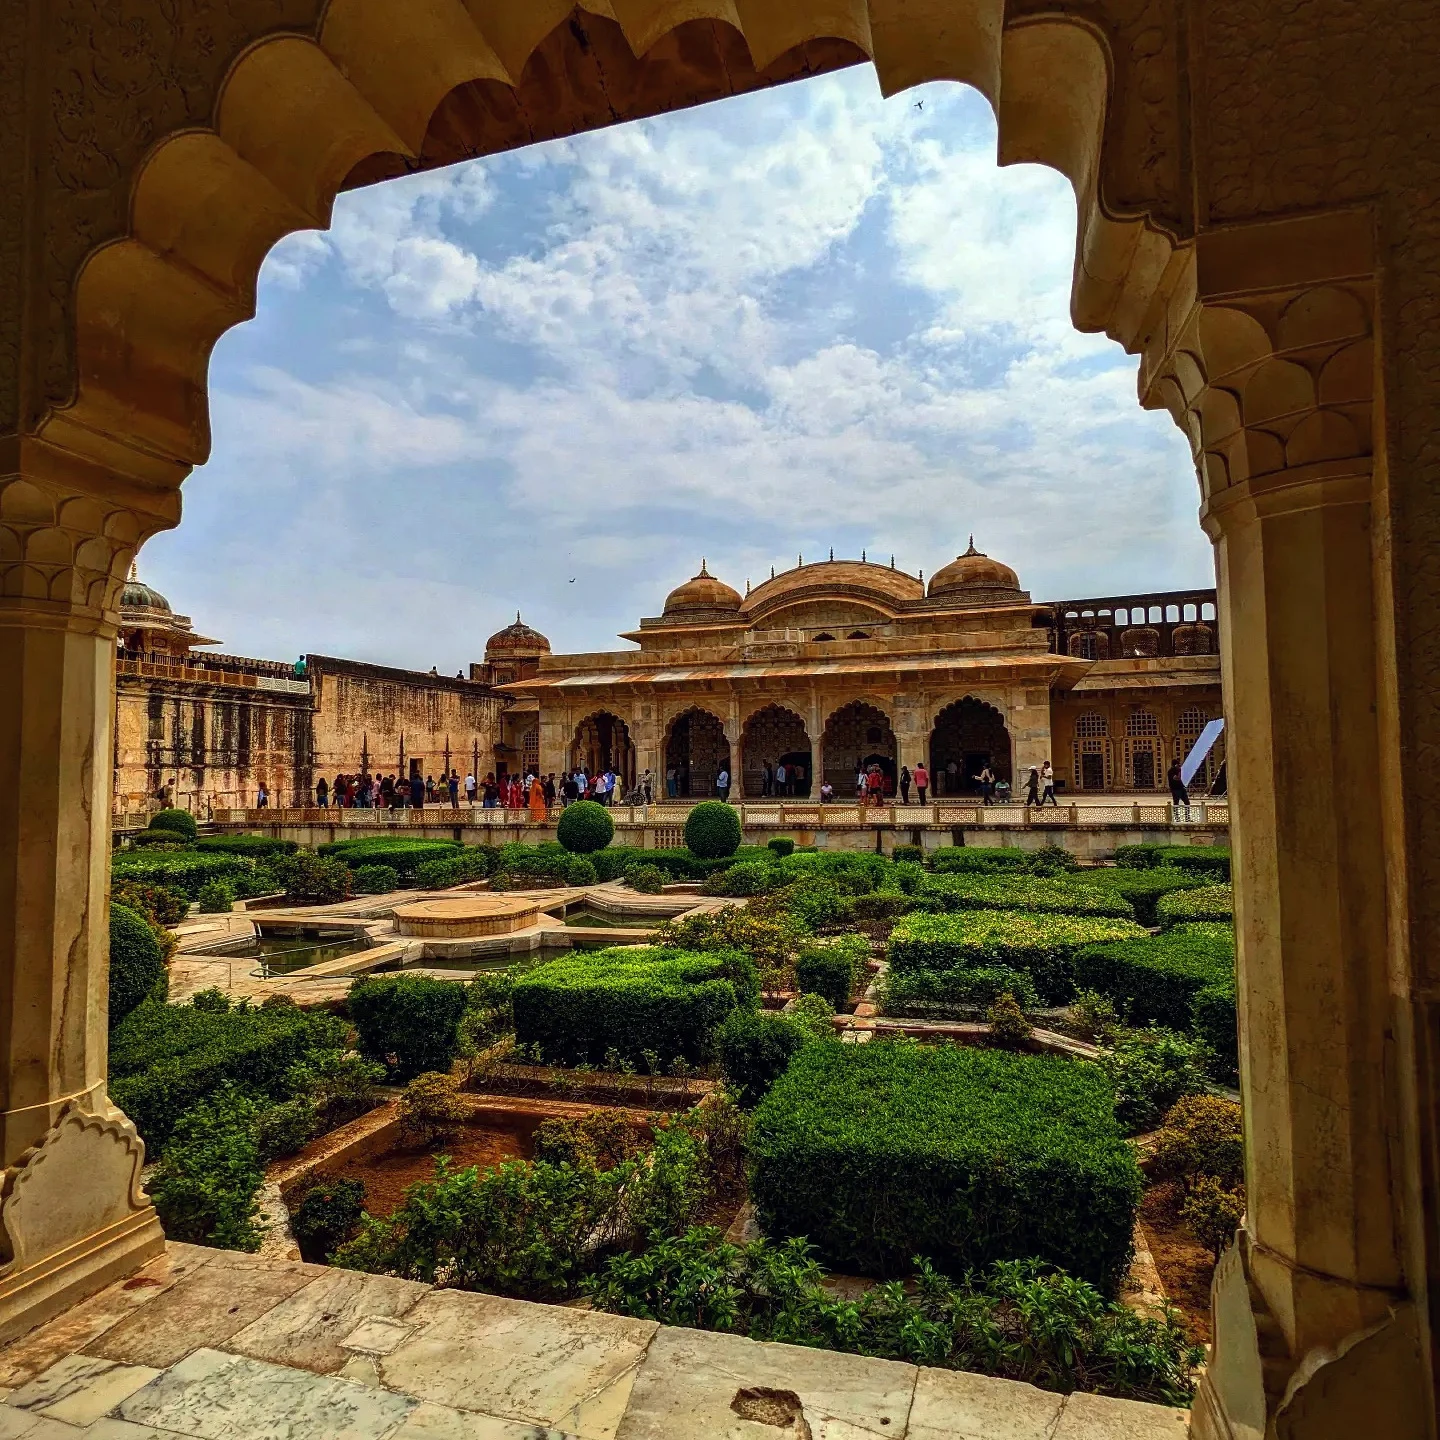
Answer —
(292, 102)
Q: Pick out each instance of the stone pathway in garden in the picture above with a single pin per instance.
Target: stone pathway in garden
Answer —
(215, 1345)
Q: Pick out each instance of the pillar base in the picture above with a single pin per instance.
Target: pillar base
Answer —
(41, 1291)
(74, 1215)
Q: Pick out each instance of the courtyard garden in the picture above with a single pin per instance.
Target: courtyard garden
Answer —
(908, 1106)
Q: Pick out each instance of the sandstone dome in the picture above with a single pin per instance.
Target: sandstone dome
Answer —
(701, 597)
(139, 596)
(975, 575)
(852, 579)
(517, 639)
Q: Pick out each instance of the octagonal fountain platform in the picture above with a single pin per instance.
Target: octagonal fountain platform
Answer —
(467, 917)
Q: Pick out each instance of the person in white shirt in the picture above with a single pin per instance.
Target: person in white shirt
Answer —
(722, 783)
(469, 789)
(780, 778)
(1047, 785)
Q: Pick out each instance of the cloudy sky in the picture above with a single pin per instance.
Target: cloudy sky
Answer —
(553, 380)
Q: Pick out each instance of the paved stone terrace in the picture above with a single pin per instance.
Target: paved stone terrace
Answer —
(216, 1345)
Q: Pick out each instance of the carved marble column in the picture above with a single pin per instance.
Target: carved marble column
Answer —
(1317, 1330)
(72, 1213)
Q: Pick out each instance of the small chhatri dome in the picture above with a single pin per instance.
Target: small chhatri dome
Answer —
(974, 575)
(518, 639)
(139, 596)
(702, 597)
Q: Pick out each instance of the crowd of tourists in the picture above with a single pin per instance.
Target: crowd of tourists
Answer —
(536, 793)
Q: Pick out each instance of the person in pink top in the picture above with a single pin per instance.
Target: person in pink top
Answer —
(921, 776)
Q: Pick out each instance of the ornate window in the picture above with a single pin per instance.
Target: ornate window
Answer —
(1092, 751)
(1142, 751)
(530, 751)
(1140, 640)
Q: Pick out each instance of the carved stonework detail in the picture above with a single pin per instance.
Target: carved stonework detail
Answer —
(82, 1178)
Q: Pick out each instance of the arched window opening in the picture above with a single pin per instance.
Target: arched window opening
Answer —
(968, 735)
(1140, 640)
(602, 742)
(696, 751)
(772, 737)
(1092, 751)
(1172, 614)
(858, 635)
(824, 635)
(1143, 767)
(1207, 611)
(1189, 613)
(858, 736)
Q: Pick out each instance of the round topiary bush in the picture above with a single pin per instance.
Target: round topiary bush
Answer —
(180, 821)
(585, 827)
(781, 846)
(172, 839)
(581, 871)
(712, 830)
(137, 968)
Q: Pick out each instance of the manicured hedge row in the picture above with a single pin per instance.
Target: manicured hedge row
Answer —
(166, 1058)
(1211, 859)
(137, 968)
(471, 863)
(254, 845)
(968, 859)
(832, 970)
(963, 993)
(1183, 979)
(1142, 888)
(402, 853)
(879, 1153)
(1037, 894)
(408, 1023)
(1043, 945)
(631, 999)
(185, 870)
(1210, 902)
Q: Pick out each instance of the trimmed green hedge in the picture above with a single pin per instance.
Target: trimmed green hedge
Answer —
(879, 1153)
(460, 866)
(413, 1018)
(954, 994)
(832, 971)
(755, 1047)
(1183, 979)
(1038, 894)
(186, 870)
(146, 838)
(632, 999)
(1043, 945)
(137, 966)
(1208, 903)
(254, 845)
(1142, 888)
(166, 1058)
(402, 853)
(180, 821)
(712, 830)
(585, 827)
(967, 859)
(781, 845)
(1211, 859)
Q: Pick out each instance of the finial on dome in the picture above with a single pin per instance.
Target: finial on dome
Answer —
(972, 550)
(832, 552)
(772, 572)
(921, 577)
(703, 570)
(892, 562)
(134, 570)
(747, 584)
(517, 617)
(862, 557)
(799, 561)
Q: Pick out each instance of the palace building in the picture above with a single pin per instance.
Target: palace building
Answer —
(828, 667)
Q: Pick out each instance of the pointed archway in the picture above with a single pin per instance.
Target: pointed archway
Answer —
(776, 737)
(696, 751)
(857, 736)
(968, 735)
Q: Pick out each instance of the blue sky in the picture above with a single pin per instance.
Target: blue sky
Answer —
(552, 380)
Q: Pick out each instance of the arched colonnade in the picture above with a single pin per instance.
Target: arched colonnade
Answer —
(1243, 183)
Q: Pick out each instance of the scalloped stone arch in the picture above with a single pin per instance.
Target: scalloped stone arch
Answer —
(298, 117)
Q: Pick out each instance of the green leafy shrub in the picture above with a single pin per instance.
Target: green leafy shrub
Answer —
(914, 854)
(645, 879)
(376, 879)
(327, 1215)
(1009, 1029)
(879, 1153)
(613, 861)
(954, 994)
(207, 1183)
(161, 905)
(1142, 888)
(770, 941)
(164, 1059)
(755, 1047)
(780, 846)
(1043, 945)
(813, 902)
(1202, 1135)
(137, 965)
(749, 877)
(969, 859)
(184, 870)
(458, 868)
(1018, 1320)
(712, 830)
(1037, 894)
(166, 839)
(255, 846)
(182, 822)
(585, 827)
(631, 999)
(1212, 1214)
(814, 1014)
(882, 905)
(311, 879)
(1208, 903)
(285, 1128)
(216, 898)
(403, 853)
(340, 1085)
(581, 871)
(1092, 1014)
(1150, 1070)
(832, 970)
(546, 864)
(1183, 979)
(431, 1109)
(602, 1139)
(408, 1023)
